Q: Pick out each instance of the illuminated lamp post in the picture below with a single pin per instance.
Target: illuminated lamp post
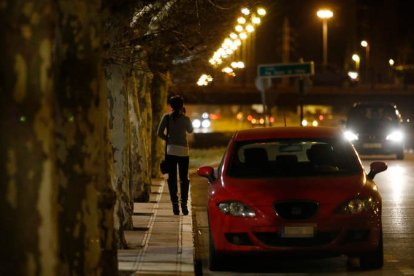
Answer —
(391, 62)
(325, 15)
(357, 60)
(366, 45)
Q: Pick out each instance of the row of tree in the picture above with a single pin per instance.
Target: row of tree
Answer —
(83, 84)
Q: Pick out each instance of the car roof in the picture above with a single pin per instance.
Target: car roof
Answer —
(374, 103)
(286, 133)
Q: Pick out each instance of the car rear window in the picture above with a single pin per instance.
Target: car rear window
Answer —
(287, 157)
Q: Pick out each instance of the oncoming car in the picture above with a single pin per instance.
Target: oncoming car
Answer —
(201, 124)
(376, 128)
(293, 191)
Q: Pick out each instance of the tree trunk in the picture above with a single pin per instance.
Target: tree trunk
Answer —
(144, 100)
(160, 85)
(119, 125)
(139, 86)
(86, 198)
(28, 204)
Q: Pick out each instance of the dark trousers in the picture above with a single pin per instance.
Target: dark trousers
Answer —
(182, 163)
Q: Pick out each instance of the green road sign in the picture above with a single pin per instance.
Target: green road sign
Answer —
(286, 70)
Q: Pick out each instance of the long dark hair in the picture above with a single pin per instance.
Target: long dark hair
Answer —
(177, 103)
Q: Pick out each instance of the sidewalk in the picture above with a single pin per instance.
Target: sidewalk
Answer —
(161, 243)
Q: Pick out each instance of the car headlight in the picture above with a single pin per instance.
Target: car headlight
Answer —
(304, 122)
(236, 208)
(206, 123)
(196, 123)
(395, 136)
(350, 135)
(359, 205)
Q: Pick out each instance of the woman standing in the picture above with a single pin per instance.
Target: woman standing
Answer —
(178, 125)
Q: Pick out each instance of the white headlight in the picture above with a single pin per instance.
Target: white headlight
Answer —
(350, 135)
(196, 123)
(395, 136)
(236, 208)
(304, 122)
(206, 123)
(359, 205)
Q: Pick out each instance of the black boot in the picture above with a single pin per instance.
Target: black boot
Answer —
(176, 209)
(184, 208)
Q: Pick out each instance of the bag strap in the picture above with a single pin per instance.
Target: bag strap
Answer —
(166, 139)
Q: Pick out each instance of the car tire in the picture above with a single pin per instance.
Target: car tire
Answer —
(373, 259)
(216, 261)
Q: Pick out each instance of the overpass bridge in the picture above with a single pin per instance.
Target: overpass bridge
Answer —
(337, 97)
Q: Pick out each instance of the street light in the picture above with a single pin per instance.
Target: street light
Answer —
(365, 44)
(237, 40)
(325, 15)
(261, 11)
(391, 62)
(357, 59)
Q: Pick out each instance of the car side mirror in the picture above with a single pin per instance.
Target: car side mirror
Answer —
(207, 172)
(375, 168)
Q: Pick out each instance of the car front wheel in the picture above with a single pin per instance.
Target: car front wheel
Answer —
(216, 261)
(373, 259)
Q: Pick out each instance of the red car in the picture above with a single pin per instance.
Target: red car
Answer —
(293, 191)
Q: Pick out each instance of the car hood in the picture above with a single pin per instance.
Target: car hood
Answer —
(325, 189)
(373, 126)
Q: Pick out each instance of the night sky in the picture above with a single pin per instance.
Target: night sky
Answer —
(387, 24)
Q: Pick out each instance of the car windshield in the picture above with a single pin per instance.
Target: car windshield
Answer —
(373, 113)
(292, 158)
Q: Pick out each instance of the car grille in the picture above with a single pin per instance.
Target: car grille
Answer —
(274, 239)
(371, 137)
(296, 209)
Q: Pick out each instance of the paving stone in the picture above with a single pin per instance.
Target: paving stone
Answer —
(141, 221)
(135, 239)
(164, 244)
